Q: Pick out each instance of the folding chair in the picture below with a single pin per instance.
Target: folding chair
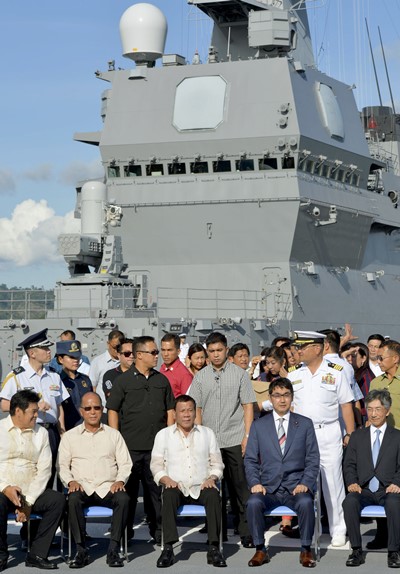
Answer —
(286, 511)
(33, 516)
(95, 512)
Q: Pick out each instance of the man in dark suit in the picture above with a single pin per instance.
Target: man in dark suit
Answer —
(372, 476)
(282, 465)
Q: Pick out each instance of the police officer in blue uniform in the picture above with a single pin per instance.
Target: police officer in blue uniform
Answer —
(68, 356)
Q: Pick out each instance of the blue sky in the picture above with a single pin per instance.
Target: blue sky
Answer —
(50, 51)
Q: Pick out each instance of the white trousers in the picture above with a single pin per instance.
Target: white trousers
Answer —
(329, 439)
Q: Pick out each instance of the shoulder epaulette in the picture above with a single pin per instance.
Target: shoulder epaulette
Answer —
(335, 366)
(294, 368)
(18, 370)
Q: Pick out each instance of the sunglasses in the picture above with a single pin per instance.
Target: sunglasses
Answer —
(127, 353)
(155, 352)
(94, 408)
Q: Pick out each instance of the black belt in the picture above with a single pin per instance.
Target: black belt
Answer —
(48, 425)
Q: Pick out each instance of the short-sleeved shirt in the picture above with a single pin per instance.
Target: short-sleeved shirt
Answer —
(393, 386)
(109, 378)
(48, 385)
(76, 388)
(180, 378)
(142, 404)
(318, 396)
(100, 365)
(221, 396)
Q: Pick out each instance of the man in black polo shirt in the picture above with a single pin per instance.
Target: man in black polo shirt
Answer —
(143, 398)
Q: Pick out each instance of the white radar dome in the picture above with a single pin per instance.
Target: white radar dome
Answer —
(143, 28)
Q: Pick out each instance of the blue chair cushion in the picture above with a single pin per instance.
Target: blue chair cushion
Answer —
(281, 511)
(373, 512)
(191, 510)
(98, 512)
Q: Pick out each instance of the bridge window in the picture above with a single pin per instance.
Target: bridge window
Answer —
(132, 170)
(155, 169)
(176, 168)
(221, 165)
(198, 167)
(244, 165)
(267, 163)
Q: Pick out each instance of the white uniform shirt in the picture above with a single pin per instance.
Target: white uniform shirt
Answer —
(187, 460)
(48, 386)
(318, 395)
(98, 367)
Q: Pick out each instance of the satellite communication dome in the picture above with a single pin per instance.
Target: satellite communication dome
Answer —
(143, 28)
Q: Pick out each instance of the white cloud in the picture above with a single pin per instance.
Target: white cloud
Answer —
(7, 183)
(30, 235)
(40, 173)
(80, 171)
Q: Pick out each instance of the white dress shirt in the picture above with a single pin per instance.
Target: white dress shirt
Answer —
(25, 459)
(188, 460)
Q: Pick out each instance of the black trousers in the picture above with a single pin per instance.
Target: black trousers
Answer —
(77, 501)
(235, 476)
(54, 441)
(151, 492)
(50, 505)
(355, 502)
(172, 498)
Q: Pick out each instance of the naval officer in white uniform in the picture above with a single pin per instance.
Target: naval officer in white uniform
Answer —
(319, 388)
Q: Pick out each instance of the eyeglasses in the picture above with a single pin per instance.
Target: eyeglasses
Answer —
(279, 396)
(382, 358)
(127, 353)
(306, 346)
(154, 352)
(93, 408)
(376, 410)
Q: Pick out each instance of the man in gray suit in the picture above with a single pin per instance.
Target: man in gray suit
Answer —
(372, 476)
(282, 464)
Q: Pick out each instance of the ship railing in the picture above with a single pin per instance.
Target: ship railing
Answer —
(206, 303)
(23, 304)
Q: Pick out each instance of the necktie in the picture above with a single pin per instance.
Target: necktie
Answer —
(281, 435)
(374, 482)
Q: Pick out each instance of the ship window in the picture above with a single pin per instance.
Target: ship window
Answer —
(155, 169)
(287, 162)
(132, 170)
(176, 168)
(267, 163)
(355, 179)
(244, 165)
(310, 166)
(221, 165)
(325, 170)
(340, 175)
(198, 167)
(113, 171)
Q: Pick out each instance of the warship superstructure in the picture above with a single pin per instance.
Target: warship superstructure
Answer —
(246, 194)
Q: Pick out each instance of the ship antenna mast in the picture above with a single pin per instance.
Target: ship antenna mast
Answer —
(387, 73)
(373, 63)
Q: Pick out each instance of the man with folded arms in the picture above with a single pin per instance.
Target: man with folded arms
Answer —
(282, 465)
(25, 468)
(94, 464)
(186, 460)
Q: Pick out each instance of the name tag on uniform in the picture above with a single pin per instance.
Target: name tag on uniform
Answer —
(294, 383)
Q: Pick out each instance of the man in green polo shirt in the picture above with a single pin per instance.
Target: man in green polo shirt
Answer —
(389, 362)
